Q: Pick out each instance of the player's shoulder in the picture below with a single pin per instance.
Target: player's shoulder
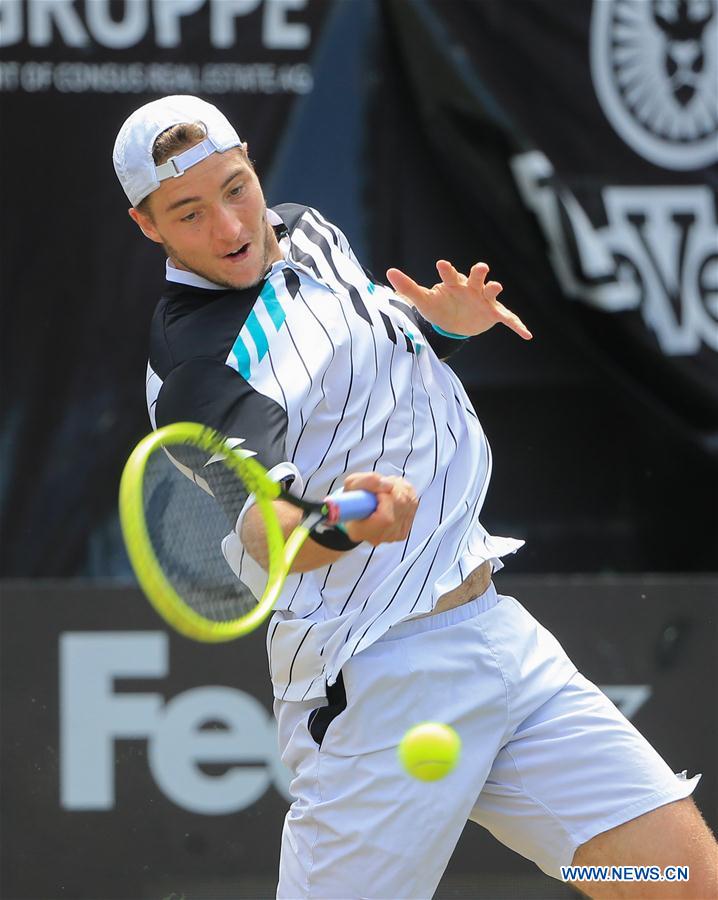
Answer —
(290, 214)
(191, 322)
(299, 216)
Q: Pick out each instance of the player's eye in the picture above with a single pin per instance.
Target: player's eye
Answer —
(190, 217)
(236, 191)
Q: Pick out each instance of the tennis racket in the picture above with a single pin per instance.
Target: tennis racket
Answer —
(181, 492)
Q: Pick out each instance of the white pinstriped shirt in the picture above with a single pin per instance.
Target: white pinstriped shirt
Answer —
(363, 390)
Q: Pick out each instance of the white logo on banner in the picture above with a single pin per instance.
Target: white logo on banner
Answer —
(41, 22)
(93, 715)
(655, 71)
(165, 23)
(657, 252)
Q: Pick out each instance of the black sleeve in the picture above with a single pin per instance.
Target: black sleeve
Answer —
(210, 393)
(443, 346)
(207, 391)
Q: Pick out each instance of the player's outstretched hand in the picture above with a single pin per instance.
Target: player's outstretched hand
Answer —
(396, 507)
(459, 304)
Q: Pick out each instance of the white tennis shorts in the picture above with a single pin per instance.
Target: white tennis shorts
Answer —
(547, 760)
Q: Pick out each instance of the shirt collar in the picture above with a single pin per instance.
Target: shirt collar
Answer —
(274, 218)
(181, 276)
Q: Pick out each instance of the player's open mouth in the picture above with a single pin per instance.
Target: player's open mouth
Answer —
(238, 254)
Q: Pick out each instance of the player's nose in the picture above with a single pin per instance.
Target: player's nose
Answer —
(227, 229)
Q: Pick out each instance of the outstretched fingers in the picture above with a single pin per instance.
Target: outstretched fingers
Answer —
(405, 285)
(450, 300)
(477, 276)
(512, 321)
(448, 274)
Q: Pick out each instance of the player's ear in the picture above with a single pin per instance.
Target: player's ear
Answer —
(245, 153)
(145, 224)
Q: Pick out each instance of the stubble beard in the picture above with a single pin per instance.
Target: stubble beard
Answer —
(212, 276)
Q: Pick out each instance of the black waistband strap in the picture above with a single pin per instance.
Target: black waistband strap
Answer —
(320, 719)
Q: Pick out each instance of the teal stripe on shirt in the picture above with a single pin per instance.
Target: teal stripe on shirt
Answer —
(260, 338)
(253, 326)
(242, 356)
(273, 305)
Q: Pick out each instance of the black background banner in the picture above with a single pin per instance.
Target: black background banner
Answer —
(138, 764)
(632, 240)
(616, 401)
(472, 130)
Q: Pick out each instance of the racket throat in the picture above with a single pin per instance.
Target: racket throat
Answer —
(297, 538)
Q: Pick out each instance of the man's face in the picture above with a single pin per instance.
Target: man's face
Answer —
(212, 220)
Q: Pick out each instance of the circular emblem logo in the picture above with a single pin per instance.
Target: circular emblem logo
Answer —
(655, 71)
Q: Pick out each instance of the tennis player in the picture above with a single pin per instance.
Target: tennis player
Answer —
(270, 330)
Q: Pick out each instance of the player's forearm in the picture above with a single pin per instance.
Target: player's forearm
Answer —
(391, 521)
(253, 536)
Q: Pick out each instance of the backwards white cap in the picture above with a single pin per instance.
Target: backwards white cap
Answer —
(132, 156)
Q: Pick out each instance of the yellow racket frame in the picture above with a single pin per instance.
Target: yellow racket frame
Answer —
(157, 587)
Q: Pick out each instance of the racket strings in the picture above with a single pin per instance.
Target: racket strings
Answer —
(190, 508)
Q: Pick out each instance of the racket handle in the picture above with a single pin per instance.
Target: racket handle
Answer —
(348, 505)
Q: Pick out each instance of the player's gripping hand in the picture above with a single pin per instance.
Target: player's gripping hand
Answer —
(459, 304)
(396, 507)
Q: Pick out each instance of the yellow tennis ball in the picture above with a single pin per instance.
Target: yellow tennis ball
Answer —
(430, 750)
